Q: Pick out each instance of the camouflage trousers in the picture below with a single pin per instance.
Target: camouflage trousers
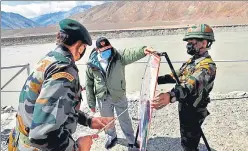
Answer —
(190, 122)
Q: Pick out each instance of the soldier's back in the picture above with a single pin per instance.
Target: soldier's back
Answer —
(54, 62)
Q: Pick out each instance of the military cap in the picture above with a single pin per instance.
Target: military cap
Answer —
(75, 32)
(102, 44)
(201, 31)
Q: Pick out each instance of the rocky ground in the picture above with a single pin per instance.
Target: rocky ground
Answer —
(226, 128)
(24, 39)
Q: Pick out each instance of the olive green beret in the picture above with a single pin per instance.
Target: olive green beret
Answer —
(75, 31)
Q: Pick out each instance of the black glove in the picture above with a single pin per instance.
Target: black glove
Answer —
(83, 119)
(165, 79)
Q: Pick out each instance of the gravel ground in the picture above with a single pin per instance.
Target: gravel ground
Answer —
(113, 34)
(226, 128)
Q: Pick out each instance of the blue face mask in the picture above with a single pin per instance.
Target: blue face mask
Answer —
(106, 54)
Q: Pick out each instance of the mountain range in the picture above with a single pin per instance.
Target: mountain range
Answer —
(117, 15)
(14, 21)
(53, 18)
(11, 20)
(164, 11)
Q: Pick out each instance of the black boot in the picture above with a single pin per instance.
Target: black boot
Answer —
(136, 145)
(111, 143)
(190, 149)
(133, 146)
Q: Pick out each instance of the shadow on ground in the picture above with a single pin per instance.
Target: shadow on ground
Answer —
(5, 134)
(4, 138)
(154, 144)
(169, 144)
(164, 144)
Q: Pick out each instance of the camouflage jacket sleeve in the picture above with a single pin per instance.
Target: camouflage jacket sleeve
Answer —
(131, 55)
(55, 103)
(89, 86)
(197, 84)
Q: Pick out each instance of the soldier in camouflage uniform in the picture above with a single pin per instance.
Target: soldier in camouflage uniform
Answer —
(197, 77)
(49, 102)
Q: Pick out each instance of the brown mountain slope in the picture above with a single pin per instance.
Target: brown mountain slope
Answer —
(151, 14)
(159, 11)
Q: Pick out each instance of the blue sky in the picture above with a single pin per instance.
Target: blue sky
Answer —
(31, 9)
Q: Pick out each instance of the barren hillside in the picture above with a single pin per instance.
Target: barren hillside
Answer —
(173, 11)
(151, 14)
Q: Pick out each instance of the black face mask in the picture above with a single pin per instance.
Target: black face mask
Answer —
(191, 50)
(82, 54)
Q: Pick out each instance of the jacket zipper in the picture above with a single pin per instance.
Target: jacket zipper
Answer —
(98, 69)
(107, 71)
(104, 77)
(108, 67)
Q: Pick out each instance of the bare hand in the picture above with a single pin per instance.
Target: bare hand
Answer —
(93, 110)
(83, 88)
(85, 142)
(160, 101)
(101, 122)
(149, 50)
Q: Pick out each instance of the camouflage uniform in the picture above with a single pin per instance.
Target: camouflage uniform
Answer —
(49, 105)
(197, 77)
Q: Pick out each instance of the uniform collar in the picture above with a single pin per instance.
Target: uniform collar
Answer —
(199, 58)
(65, 52)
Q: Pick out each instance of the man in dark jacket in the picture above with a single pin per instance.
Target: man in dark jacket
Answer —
(105, 83)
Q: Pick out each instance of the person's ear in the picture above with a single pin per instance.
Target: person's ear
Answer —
(205, 43)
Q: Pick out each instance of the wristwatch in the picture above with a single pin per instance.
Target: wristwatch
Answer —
(172, 97)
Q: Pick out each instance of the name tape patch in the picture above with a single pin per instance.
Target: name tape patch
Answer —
(63, 75)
